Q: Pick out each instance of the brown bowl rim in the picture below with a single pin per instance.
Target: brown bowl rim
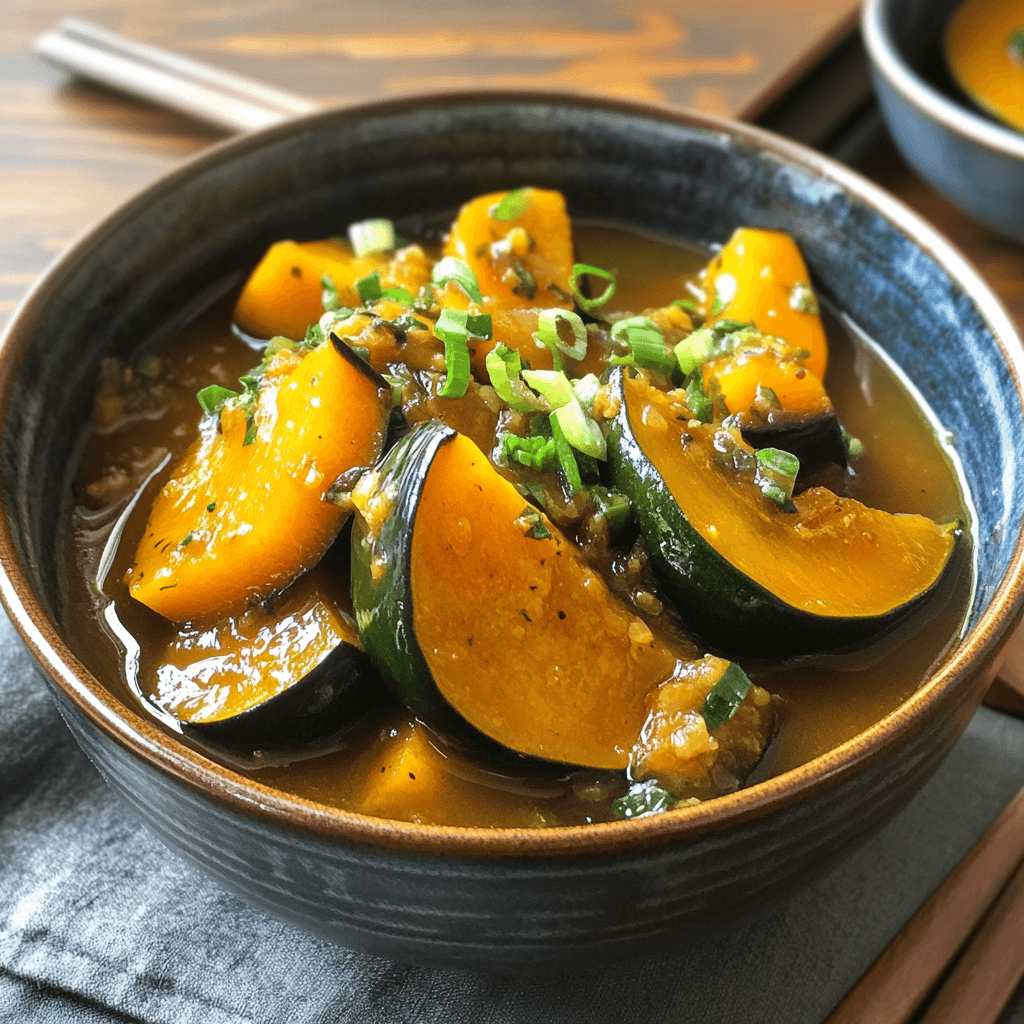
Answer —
(241, 795)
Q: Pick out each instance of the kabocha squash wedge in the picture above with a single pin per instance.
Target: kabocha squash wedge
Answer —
(244, 513)
(479, 611)
(270, 679)
(518, 245)
(760, 276)
(750, 577)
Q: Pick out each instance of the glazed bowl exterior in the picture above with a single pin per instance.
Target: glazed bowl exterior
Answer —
(506, 899)
(975, 162)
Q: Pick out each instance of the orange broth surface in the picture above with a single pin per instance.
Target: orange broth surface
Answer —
(391, 765)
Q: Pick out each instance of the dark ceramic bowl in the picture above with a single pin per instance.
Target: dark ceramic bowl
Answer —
(511, 899)
(975, 162)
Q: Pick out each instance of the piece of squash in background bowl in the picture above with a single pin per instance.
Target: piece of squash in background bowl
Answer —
(244, 514)
(479, 611)
(751, 577)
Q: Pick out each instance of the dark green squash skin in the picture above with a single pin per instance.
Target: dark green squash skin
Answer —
(814, 440)
(725, 609)
(317, 708)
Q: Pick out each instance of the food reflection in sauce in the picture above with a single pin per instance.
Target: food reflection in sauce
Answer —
(392, 765)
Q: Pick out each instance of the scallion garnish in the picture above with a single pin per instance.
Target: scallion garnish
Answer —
(250, 427)
(369, 288)
(211, 399)
(533, 452)
(454, 327)
(853, 445)
(376, 235)
(693, 350)
(329, 295)
(611, 506)
(514, 205)
(643, 800)
(504, 366)
(526, 284)
(776, 474)
(688, 306)
(315, 333)
(701, 407)
(566, 459)
(187, 540)
(561, 330)
(211, 506)
(646, 343)
(452, 269)
(576, 426)
(581, 270)
(397, 389)
(726, 696)
(586, 389)
(402, 295)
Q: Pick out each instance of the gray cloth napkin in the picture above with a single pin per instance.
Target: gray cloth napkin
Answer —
(99, 923)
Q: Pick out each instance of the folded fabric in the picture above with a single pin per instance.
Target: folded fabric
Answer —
(100, 923)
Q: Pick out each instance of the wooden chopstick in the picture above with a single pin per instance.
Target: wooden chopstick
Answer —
(896, 985)
(168, 79)
(989, 970)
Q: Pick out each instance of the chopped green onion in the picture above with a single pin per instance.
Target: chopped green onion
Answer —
(331, 318)
(693, 350)
(514, 205)
(537, 530)
(726, 696)
(250, 427)
(643, 800)
(552, 384)
(453, 328)
(362, 351)
(854, 446)
(566, 459)
(726, 326)
(369, 288)
(700, 405)
(646, 342)
(688, 306)
(314, 332)
(1015, 47)
(187, 540)
(590, 305)
(562, 330)
(452, 269)
(575, 425)
(211, 506)
(402, 295)
(533, 452)
(377, 235)
(776, 473)
(211, 399)
(725, 292)
(611, 506)
(329, 295)
(503, 367)
(586, 389)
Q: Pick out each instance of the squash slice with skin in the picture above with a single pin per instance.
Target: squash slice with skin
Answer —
(748, 576)
(480, 612)
(237, 522)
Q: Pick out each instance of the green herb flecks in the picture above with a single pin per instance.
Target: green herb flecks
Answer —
(531, 518)
(853, 445)
(376, 235)
(726, 696)
(725, 292)
(452, 269)
(776, 474)
(643, 800)
(514, 205)
(369, 288)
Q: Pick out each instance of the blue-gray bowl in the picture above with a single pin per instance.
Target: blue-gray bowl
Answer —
(971, 159)
(507, 899)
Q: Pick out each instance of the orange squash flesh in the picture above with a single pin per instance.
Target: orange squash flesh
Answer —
(283, 295)
(213, 673)
(238, 522)
(832, 557)
(539, 241)
(521, 637)
(760, 276)
(736, 378)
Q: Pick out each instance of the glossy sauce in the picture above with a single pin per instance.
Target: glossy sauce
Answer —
(391, 766)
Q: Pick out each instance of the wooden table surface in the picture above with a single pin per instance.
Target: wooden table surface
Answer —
(70, 152)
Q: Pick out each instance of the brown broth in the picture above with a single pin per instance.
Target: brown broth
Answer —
(824, 702)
